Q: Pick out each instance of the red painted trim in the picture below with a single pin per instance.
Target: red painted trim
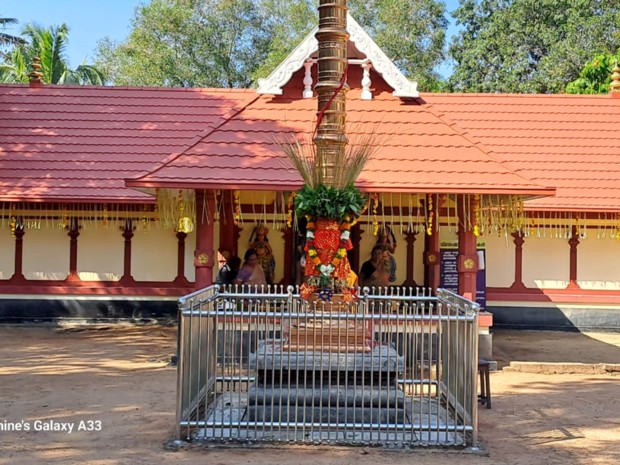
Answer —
(89, 288)
(432, 260)
(204, 255)
(499, 294)
(467, 265)
(485, 319)
(229, 231)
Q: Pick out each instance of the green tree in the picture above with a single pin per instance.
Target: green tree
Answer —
(529, 45)
(49, 44)
(287, 22)
(595, 76)
(412, 34)
(232, 43)
(7, 40)
(188, 43)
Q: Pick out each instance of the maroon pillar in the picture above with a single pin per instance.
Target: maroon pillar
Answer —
(229, 231)
(127, 235)
(354, 254)
(518, 241)
(410, 240)
(432, 261)
(181, 236)
(205, 251)
(467, 264)
(289, 255)
(18, 274)
(74, 232)
(572, 275)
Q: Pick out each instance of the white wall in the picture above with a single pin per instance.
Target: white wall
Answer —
(190, 247)
(7, 253)
(154, 255)
(598, 263)
(500, 260)
(46, 254)
(100, 254)
(546, 263)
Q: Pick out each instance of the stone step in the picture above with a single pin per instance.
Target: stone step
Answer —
(270, 355)
(318, 378)
(332, 415)
(328, 396)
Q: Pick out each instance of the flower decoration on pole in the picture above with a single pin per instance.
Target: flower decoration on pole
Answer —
(329, 167)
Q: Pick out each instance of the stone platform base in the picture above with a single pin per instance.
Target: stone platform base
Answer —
(332, 415)
(270, 355)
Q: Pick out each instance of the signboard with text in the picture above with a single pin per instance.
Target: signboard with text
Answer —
(449, 277)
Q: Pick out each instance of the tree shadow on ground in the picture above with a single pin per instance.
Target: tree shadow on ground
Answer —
(555, 347)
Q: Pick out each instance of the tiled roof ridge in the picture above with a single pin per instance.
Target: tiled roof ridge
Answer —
(476, 143)
(219, 90)
(523, 95)
(69, 200)
(135, 182)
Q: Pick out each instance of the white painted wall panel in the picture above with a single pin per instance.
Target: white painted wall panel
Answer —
(500, 260)
(46, 254)
(154, 255)
(7, 253)
(598, 264)
(546, 263)
(100, 254)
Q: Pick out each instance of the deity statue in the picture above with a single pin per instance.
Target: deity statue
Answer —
(260, 243)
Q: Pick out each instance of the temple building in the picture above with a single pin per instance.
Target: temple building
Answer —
(114, 201)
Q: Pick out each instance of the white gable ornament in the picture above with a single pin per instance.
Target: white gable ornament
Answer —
(375, 58)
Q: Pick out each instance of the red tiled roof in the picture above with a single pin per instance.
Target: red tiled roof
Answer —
(419, 152)
(567, 141)
(68, 143)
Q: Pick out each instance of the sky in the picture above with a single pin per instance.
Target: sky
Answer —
(88, 21)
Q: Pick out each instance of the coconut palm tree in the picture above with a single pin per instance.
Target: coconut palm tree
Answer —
(8, 39)
(49, 44)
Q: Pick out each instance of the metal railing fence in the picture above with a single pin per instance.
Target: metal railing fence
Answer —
(398, 368)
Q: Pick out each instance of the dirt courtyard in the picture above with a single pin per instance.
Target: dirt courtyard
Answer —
(115, 386)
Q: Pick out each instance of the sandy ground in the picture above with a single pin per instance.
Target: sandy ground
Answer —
(115, 385)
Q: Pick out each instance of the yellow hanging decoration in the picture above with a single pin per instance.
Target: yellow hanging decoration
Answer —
(429, 201)
(237, 216)
(375, 207)
(185, 224)
(290, 203)
(144, 221)
(477, 231)
(13, 225)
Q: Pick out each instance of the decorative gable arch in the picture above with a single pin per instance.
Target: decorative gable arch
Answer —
(402, 87)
